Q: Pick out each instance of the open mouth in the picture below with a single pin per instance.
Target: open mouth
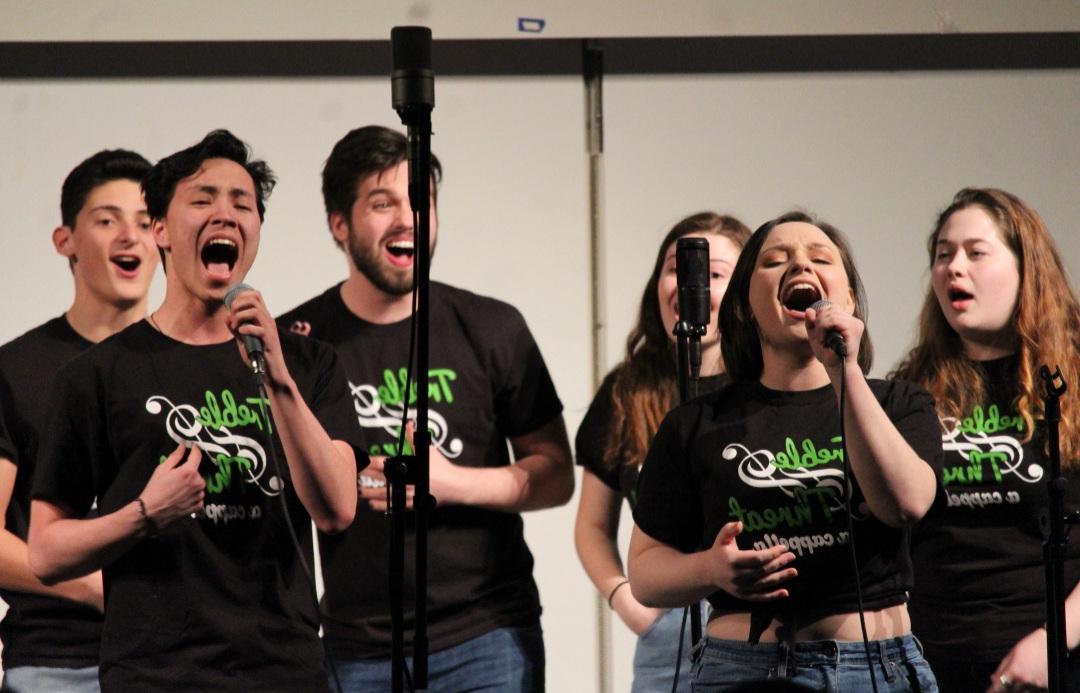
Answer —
(128, 264)
(798, 297)
(959, 295)
(219, 256)
(402, 251)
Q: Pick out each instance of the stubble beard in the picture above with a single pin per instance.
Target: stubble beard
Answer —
(370, 263)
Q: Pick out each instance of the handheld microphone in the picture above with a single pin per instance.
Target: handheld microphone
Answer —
(412, 81)
(833, 339)
(692, 274)
(253, 344)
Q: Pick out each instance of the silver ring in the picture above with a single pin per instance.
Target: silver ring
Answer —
(1005, 681)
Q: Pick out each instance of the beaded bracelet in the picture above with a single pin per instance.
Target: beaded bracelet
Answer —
(149, 523)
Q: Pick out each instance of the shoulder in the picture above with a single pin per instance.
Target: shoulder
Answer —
(901, 393)
(310, 317)
(30, 342)
(474, 307)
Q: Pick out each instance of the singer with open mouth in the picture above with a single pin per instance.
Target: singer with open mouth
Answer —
(787, 512)
(205, 474)
(998, 306)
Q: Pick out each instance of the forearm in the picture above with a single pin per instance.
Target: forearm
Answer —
(898, 486)
(664, 577)
(595, 530)
(1072, 618)
(323, 471)
(531, 483)
(63, 548)
(15, 574)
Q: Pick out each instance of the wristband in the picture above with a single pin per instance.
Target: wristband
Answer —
(615, 589)
(146, 518)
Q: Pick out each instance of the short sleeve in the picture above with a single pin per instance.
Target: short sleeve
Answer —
(668, 505)
(592, 436)
(912, 411)
(73, 444)
(525, 397)
(8, 449)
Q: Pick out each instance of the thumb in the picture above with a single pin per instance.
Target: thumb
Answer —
(728, 533)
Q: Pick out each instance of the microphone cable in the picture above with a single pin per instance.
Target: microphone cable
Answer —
(296, 539)
(849, 502)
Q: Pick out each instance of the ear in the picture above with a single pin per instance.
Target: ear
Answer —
(62, 241)
(339, 227)
(160, 233)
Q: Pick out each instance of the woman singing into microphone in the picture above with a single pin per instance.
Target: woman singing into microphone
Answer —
(615, 434)
(743, 497)
(999, 305)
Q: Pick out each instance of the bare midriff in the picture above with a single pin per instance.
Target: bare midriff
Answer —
(885, 623)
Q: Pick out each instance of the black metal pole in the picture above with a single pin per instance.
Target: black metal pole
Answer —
(1056, 540)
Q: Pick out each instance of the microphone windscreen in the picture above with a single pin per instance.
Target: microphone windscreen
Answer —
(819, 304)
(231, 294)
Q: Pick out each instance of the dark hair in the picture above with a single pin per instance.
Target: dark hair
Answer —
(103, 167)
(160, 183)
(357, 155)
(739, 340)
(1046, 321)
(644, 387)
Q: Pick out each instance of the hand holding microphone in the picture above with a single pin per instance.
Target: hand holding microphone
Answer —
(833, 330)
(251, 323)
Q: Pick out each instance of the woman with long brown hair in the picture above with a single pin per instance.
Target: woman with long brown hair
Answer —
(785, 496)
(619, 425)
(999, 305)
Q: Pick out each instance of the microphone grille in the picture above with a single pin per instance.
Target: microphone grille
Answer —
(819, 304)
(235, 289)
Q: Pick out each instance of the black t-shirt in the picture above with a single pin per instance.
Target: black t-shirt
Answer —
(487, 383)
(773, 460)
(592, 436)
(38, 630)
(980, 584)
(216, 602)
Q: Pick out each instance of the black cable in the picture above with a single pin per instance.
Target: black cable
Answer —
(678, 653)
(849, 501)
(296, 540)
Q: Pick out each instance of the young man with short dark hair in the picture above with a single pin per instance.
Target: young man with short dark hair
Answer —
(488, 386)
(51, 633)
(197, 471)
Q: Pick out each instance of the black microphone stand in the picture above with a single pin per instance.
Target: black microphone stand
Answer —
(688, 340)
(1053, 521)
(414, 98)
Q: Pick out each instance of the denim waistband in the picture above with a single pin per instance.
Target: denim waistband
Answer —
(818, 652)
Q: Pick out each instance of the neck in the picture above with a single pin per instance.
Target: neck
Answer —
(191, 320)
(712, 362)
(982, 351)
(96, 320)
(367, 301)
(792, 371)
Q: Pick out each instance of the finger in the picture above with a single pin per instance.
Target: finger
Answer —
(728, 533)
(764, 583)
(756, 560)
(765, 596)
(194, 458)
(176, 456)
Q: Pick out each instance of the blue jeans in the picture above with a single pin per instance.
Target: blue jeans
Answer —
(654, 657)
(50, 680)
(505, 660)
(827, 665)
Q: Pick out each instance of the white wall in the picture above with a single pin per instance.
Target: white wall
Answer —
(877, 154)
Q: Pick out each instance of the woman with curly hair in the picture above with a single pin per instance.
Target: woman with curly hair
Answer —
(999, 305)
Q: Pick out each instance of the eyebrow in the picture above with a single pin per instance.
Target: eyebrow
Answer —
(214, 190)
(786, 247)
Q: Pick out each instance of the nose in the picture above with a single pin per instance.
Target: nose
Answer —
(957, 264)
(127, 232)
(799, 263)
(223, 213)
(405, 215)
